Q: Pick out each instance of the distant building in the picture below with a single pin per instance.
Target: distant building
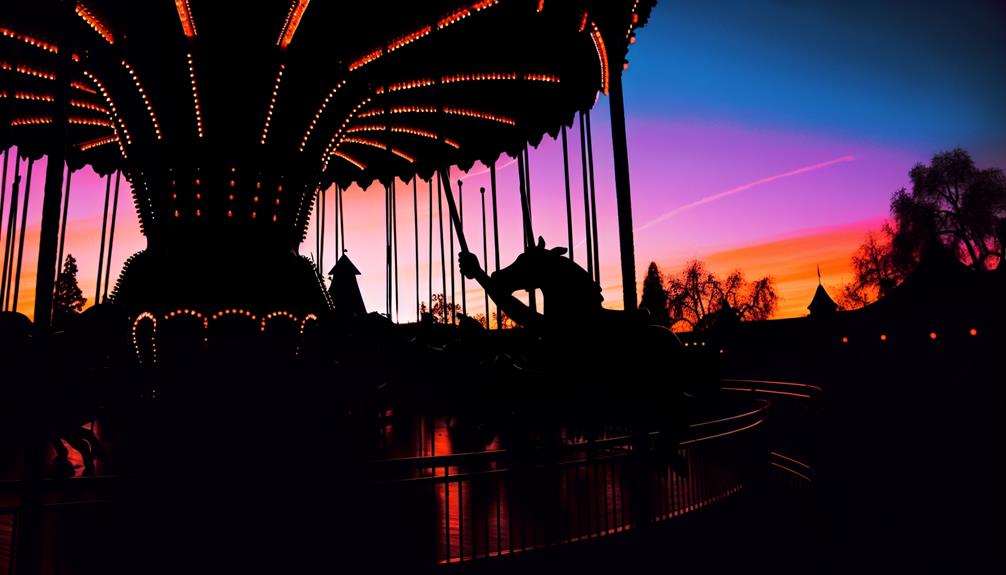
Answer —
(822, 305)
(345, 290)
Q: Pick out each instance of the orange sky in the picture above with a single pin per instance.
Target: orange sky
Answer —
(792, 262)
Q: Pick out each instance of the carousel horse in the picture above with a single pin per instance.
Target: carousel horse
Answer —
(602, 363)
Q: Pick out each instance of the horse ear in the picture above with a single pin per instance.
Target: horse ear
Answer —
(558, 250)
(541, 242)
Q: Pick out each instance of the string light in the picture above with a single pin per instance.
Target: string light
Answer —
(448, 20)
(195, 94)
(29, 40)
(632, 22)
(541, 6)
(185, 17)
(602, 56)
(272, 103)
(281, 313)
(380, 146)
(89, 106)
(480, 115)
(153, 339)
(403, 130)
(114, 116)
(233, 311)
(303, 323)
(193, 313)
(143, 96)
(349, 159)
(43, 120)
(97, 142)
(31, 121)
(291, 23)
(466, 112)
(334, 142)
(583, 22)
(83, 88)
(95, 24)
(27, 71)
(462, 13)
(317, 115)
(33, 97)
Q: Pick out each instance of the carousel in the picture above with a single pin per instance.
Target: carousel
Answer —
(223, 407)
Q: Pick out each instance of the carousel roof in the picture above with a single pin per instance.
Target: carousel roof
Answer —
(348, 91)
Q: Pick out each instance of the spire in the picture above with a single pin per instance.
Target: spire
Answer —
(822, 305)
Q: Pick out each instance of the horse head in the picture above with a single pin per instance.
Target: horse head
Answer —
(531, 270)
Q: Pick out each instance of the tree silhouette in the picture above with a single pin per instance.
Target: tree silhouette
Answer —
(507, 323)
(875, 271)
(654, 298)
(68, 299)
(696, 293)
(951, 202)
(443, 311)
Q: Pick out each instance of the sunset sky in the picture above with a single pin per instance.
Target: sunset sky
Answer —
(763, 136)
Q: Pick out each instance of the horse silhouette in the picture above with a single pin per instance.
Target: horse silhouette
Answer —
(604, 364)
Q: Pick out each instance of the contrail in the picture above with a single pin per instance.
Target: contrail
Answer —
(708, 199)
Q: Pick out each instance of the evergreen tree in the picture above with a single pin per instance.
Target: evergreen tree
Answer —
(68, 299)
(654, 297)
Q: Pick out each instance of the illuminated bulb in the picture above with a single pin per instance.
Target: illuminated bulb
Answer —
(883, 337)
(973, 331)
(932, 335)
(845, 340)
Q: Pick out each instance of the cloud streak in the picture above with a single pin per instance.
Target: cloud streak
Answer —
(741, 188)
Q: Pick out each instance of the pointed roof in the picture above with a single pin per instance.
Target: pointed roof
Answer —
(344, 266)
(822, 304)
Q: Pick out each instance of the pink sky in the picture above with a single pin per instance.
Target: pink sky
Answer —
(729, 194)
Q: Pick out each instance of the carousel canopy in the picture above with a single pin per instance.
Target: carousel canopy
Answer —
(353, 91)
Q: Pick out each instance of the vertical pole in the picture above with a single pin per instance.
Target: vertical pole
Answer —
(101, 248)
(443, 260)
(429, 273)
(485, 257)
(3, 198)
(526, 219)
(321, 232)
(586, 197)
(317, 229)
(394, 237)
(450, 228)
(496, 233)
(387, 250)
(335, 222)
(111, 234)
(569, 203)
(623, 195)
(11, 224)
(342, 219)
(45, 280)
(593, 201)
(415, 226)
(24, 227)
(461, 232)
(62, 231)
